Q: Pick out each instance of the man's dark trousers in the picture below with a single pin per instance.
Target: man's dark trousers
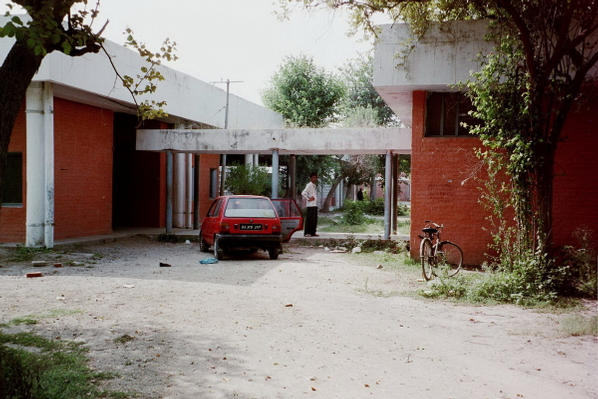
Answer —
(311, 220)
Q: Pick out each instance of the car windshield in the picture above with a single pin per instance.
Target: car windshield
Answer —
(249, 208)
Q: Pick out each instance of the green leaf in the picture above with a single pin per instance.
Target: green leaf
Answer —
(66, 47)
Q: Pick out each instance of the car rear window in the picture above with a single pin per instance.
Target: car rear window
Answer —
(249, 208)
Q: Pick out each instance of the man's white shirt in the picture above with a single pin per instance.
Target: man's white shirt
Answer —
(308, 192)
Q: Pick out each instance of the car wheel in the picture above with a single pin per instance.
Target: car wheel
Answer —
(273, 252)
(218, 252)
(203, 245)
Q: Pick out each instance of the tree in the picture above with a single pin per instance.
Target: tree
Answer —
(304, 94)
(252, 180)
(65, 26)
(549, 47)
(362, 101)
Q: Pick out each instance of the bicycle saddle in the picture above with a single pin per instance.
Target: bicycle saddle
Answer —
(430, 230)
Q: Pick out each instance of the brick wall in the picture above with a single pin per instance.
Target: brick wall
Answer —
(83, 169)
(12, 219)
(576, 169)
(442, 189)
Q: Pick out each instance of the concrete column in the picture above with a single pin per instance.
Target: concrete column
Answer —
(256, 159)
(387, 194)
(274, 174)
(248, 160)
(197, 182)
(169, 173)
(39, 219)
(189, 191)
(293, 175)
(222, 173)
(179, 190)
(395, 191)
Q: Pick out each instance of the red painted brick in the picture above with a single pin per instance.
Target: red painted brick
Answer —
(83, 137)
(442, 188)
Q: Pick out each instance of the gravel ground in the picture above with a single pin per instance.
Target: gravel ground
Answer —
(310, 324)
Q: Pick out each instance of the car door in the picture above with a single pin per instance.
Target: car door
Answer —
(291, 218)
(210, 224)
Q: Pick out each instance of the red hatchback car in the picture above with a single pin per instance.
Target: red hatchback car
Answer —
(249, 222)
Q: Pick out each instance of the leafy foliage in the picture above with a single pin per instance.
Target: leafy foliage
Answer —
(304, 94)
(362, 105)
(252, 180)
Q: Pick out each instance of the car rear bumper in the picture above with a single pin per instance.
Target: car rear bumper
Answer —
(263, 241)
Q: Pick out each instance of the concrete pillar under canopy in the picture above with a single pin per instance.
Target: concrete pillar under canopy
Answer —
(169, 173)
(39, 215)
(387, 194)
(274, 174)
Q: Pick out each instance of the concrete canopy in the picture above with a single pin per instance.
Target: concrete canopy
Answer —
(324, 141)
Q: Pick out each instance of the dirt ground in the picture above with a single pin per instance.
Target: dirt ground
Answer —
(310, 324)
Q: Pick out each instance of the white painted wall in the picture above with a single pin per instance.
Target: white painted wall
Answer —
(445, 56)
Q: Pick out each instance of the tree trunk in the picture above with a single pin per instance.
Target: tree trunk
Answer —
(544, 196)
(15, 76)
(326, 204)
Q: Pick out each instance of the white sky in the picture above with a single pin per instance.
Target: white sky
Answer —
(234, 39)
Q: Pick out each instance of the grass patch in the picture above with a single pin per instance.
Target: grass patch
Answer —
(23, 320)
(578, 325)
(368, 226)
(25, 254)
(32, 366)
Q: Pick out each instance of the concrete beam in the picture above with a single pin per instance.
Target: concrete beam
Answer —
(322, 141)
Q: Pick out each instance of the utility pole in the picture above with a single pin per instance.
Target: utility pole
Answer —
(223, 158)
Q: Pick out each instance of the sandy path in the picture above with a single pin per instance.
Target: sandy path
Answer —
(225, 330)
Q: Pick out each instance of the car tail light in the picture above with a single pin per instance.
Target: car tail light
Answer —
(275, 227)
(224, 227)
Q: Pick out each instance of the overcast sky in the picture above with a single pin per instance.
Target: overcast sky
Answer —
(234, 39)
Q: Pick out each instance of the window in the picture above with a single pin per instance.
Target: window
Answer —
(249, 208)
(213, 183)
(215, 208)
(445, 114)
(12, 180)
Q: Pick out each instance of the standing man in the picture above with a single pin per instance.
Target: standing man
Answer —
(310, 195)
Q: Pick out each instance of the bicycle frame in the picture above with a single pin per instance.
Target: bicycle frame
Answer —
(435, 253)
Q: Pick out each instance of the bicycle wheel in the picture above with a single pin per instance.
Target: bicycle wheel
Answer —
(426, 256)
(449, 257)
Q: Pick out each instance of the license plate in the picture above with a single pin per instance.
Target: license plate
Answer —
(250, 227)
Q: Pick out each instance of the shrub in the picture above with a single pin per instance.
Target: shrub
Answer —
(353, 213)
(531, 280)
(253, 180)
(375, 207)
(581, 263)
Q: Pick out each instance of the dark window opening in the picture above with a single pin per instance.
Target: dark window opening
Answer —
(446, 113)
(12, 180)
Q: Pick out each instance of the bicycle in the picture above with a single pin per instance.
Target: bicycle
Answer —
(436, 254)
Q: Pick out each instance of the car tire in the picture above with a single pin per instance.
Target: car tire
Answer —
(218, 252)
(273, 253)
(203, 245)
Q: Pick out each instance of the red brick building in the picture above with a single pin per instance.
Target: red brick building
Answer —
(443, 164)
(73, 167)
